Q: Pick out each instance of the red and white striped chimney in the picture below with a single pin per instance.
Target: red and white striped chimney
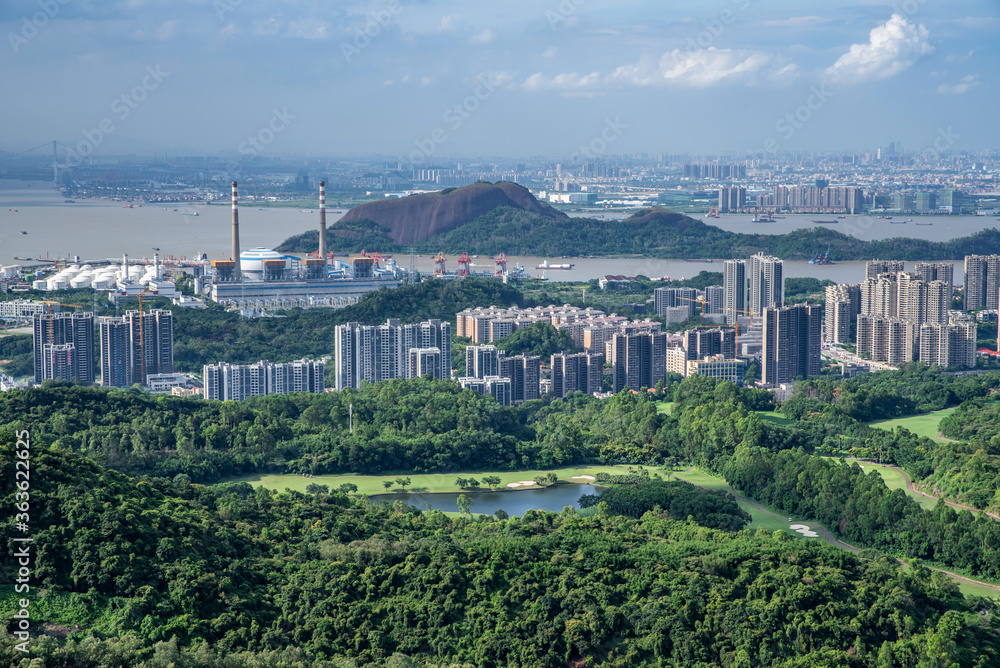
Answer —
(236, 234)
(322, 219)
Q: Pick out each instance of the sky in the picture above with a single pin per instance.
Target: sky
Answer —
(419, 80)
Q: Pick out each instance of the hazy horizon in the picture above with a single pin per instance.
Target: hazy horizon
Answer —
(442, 78)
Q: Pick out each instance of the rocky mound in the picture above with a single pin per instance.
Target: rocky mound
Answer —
(418, 217)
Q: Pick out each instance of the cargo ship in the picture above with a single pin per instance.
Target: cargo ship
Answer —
(825, 222)
(545, 265)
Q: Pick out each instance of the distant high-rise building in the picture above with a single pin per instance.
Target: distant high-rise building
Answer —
(153, 345)
(481, 361)
(875, 268)
(638, 360)
(792, 343)
(702, 342)
(715, 299)
(525, 373)
(664, 298)
(732, 199)
(880, 295)
(734, 279)
(370, 354)
(579, 372)
(498, 387)
(887, 340)
(719, 367)
(843, 303)
(949, 344)
(116, 352)
(951, 200)
(54, 331)
(766, 283)
(425, 362)
(236, 382)
(982, 282)
(937, 271)
(925, 201)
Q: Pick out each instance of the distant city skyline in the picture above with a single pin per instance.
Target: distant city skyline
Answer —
(429, 81)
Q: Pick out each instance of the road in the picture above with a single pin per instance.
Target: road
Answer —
(842, 355)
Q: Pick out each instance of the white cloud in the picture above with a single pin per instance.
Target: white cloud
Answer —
(427, 81)
(892, 48)
(266, 28)
(309, 29)
(954, 58)
(550, 52)
(166, 30)
(448, 22)
(796, 22)
(967, 82)
(485, 37)
(539, 81)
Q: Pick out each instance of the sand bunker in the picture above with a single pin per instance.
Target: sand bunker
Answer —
(521, 483)
(583, 477)
(804, 530)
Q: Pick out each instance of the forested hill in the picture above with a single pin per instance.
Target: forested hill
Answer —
(655, 232)
(149, 574)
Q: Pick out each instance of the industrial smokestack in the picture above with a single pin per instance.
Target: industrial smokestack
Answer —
(236, 235)
(156, 266)
(322, 220)
(124, 266)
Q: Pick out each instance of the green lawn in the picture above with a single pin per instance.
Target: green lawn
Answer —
(921, 425)
(768, 522)
(774, 418)
(894, 480)
(435, 482)
(664, 407)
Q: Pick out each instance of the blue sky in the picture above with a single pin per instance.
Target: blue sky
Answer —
(715, 77)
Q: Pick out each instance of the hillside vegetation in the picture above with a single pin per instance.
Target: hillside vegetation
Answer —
(655, 233)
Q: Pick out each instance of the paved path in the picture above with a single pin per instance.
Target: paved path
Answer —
(847, 546)
(909, 486)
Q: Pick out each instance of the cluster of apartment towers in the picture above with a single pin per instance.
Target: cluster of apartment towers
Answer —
(896, 316)
(133, 347)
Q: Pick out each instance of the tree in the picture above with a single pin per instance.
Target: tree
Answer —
(403, 482)
(492, 481)
(387, 484)
(501, 514)
(472, 483)
(348, 488)
(464, 503)
(461, 483)
(315, 489)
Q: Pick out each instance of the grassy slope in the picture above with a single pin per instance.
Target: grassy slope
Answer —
(922, 425)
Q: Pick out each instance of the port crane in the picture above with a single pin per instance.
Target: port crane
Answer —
(464, 264)
(500, 265)
(439, 264)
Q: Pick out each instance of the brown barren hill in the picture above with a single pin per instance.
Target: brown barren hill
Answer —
(418, 217)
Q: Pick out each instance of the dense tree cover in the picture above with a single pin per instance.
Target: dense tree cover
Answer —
(217, 335)
(655, 232)
(862, 509)
(976, 421)
(806, 289)
(679, 500)
(16, 355)
(158, 573)
(540, 338)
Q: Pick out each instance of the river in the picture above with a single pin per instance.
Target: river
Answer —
(97, 229)
(553, 498)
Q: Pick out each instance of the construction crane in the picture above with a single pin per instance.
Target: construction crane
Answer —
(501, 265)
(374, 256)
(464, 264)
(737, 326)
(439, 264)
(701, 301)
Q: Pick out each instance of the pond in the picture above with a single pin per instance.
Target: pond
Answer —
(514, 503)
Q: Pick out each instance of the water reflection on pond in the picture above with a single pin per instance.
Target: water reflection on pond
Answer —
(517, 502)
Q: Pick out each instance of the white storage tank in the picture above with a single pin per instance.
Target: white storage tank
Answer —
(39, 285)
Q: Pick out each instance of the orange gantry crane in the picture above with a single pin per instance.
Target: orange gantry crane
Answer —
(464, 264)
(500, 265)
(439, 264)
